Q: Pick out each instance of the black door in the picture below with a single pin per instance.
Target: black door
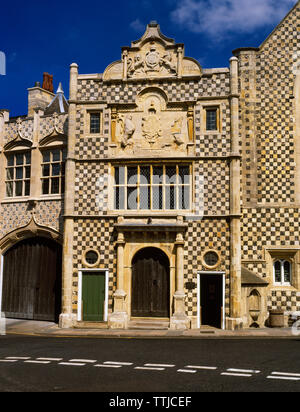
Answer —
(211, 300)
(150, 284)
(32, 280)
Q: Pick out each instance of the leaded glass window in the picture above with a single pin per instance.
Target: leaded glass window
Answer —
(282, 273)
(152, 187)
(18, 173)
(53, 171)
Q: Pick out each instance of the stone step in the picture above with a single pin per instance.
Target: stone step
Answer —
(149, 325)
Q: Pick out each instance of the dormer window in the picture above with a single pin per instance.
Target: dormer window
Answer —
(18, 173)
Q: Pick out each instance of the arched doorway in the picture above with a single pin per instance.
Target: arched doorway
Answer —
(32, 280)
(150, 284)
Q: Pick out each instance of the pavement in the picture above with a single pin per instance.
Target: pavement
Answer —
(48, 329)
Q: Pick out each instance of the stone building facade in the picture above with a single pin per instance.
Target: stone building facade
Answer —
(180, 205)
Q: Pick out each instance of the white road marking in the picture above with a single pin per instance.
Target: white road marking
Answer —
(285, 378)
(17, 357)
(83, 360)
(108, 366)
(243, 370)
(203, 367)
(149, 369)
(286, 374)
(159, 365)
(236, 374)
(118, 363)
(71, 364)
(37, 361)
(50, 359)
(186, 371)
(8, 360)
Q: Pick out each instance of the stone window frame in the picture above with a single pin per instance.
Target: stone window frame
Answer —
(55, 141)
(93, 109)
(14, 180)
(212, 104)
(86, 263)
(204, 262)
(284, 253)
(61, 176)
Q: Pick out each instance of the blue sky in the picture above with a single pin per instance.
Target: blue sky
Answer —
(47, 36)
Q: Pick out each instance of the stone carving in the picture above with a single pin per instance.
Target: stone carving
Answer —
(152, 128)
(153, 63)
(151, 125)
(136, 66)
(152, 60)
(153, 56)
(176, 129)
(127, 131)
(166, 61)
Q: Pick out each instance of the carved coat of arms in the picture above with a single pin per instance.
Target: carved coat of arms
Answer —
(153, 60)
(151, 126)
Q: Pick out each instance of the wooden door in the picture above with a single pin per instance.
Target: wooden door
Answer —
(150, 284)
(93, 296)
(32, 280)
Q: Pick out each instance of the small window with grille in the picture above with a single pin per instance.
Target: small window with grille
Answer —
(53, 171)
(18, 173)
(211, 258)
(95, 122)
(152, 187)
(212, 123)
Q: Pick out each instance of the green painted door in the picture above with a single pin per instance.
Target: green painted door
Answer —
(93, 296)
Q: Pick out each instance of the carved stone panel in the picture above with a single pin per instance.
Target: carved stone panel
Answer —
(152, 129)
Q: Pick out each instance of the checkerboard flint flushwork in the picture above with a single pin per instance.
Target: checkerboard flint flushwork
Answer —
(96, 234)
(190, 90)
(275, 82)
(203, 235)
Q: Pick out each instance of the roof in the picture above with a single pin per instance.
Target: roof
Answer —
(250, 278)
(58, 104)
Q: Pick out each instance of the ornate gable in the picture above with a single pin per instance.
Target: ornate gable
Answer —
(153, 56)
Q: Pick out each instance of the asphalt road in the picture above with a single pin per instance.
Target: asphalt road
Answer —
(36, 364)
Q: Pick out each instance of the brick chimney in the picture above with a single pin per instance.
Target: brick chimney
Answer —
(40, 97)
(48, 82)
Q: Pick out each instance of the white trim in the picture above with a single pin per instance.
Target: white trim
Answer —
(79, 308)
(199, 295)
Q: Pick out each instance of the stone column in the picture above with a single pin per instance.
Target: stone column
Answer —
(179, 320)
(119, 318)
(179, 61)
(4, 117)
(125, 64)
(67, 318)
(36, 157)
(235, 321)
